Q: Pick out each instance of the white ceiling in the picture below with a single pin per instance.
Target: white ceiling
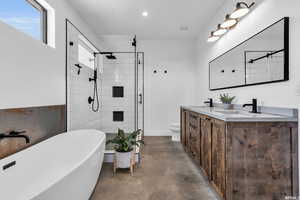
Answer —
(124, 17)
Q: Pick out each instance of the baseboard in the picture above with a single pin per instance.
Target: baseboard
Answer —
(158, 133)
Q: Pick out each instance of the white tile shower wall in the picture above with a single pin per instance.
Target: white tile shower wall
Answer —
(119, 72)
(80, 114)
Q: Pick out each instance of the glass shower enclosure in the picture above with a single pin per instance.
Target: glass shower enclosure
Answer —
(122, 93)
(120, 87)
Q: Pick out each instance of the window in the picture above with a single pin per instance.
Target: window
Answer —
(27, 16)
(86, 52)
(86, 56)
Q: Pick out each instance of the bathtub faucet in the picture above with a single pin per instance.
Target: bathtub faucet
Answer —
(15, 134)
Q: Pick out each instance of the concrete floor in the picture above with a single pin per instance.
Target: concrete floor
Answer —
(165, 173)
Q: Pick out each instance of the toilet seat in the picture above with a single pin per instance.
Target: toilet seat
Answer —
(175, 130)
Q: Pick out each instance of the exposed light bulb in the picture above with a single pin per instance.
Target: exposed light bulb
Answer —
(241, 10)
(220, 31)
(212, 37)
(239, 13)
(229, 22)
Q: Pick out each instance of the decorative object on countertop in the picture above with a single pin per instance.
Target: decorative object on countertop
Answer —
(227, 101)
(125, 149)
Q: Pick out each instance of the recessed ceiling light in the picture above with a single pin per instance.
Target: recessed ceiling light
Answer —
(145, 13)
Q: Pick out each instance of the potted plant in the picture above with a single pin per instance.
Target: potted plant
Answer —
(125, 148)
(227, 101)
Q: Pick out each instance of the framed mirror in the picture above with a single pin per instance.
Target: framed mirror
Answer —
(261, 59)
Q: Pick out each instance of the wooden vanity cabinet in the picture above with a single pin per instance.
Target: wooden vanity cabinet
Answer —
(205, 145)
(183, 127)
(194, 136)
(262, 160)
(218, 156)
(244, 160)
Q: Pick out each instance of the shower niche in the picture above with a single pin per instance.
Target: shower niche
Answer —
(118, 116)
(261, 59)
(118, 91)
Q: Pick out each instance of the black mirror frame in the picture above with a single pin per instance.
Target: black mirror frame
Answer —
(286, 57)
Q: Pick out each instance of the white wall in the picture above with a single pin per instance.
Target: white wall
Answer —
(33, 74)
(265, 13)
(164, 93)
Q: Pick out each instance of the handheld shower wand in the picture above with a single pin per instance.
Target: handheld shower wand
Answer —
(95, 99)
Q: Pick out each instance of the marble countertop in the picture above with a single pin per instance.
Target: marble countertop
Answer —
(239, 115)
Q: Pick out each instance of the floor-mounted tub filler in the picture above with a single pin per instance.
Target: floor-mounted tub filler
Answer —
(66, 166)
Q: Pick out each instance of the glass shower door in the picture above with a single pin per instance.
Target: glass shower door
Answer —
(122, 94)
(140, 91)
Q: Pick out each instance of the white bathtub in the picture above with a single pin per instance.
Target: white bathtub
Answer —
(64, 167)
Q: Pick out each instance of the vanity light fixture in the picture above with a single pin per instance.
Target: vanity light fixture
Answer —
(228, 22)
(220, 31)
(241, 10)
(212, 37)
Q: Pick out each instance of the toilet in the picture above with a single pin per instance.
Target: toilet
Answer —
(175, 131)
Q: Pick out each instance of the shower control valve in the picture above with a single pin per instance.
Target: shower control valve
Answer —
(90, 100)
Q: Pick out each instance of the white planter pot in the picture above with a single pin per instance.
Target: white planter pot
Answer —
(227, 106)
(123, 160)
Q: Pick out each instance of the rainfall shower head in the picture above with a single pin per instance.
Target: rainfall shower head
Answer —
(111, 57)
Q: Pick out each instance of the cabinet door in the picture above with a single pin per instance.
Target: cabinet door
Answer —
(260, 161)
(206, 145)
(218, 156)
(195, 140)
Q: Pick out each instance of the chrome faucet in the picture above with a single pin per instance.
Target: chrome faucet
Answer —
(15, 134)
(254, 106)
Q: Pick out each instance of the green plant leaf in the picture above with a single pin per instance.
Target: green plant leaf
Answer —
(126, 143)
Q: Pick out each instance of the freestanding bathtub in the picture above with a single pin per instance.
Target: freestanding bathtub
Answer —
(64, 167)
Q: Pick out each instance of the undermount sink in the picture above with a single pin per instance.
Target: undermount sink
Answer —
(228, 112)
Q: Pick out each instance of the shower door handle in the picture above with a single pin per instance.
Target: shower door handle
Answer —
(140, 98)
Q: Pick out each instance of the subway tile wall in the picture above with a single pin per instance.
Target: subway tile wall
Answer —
(80, 114)
(119, 72)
